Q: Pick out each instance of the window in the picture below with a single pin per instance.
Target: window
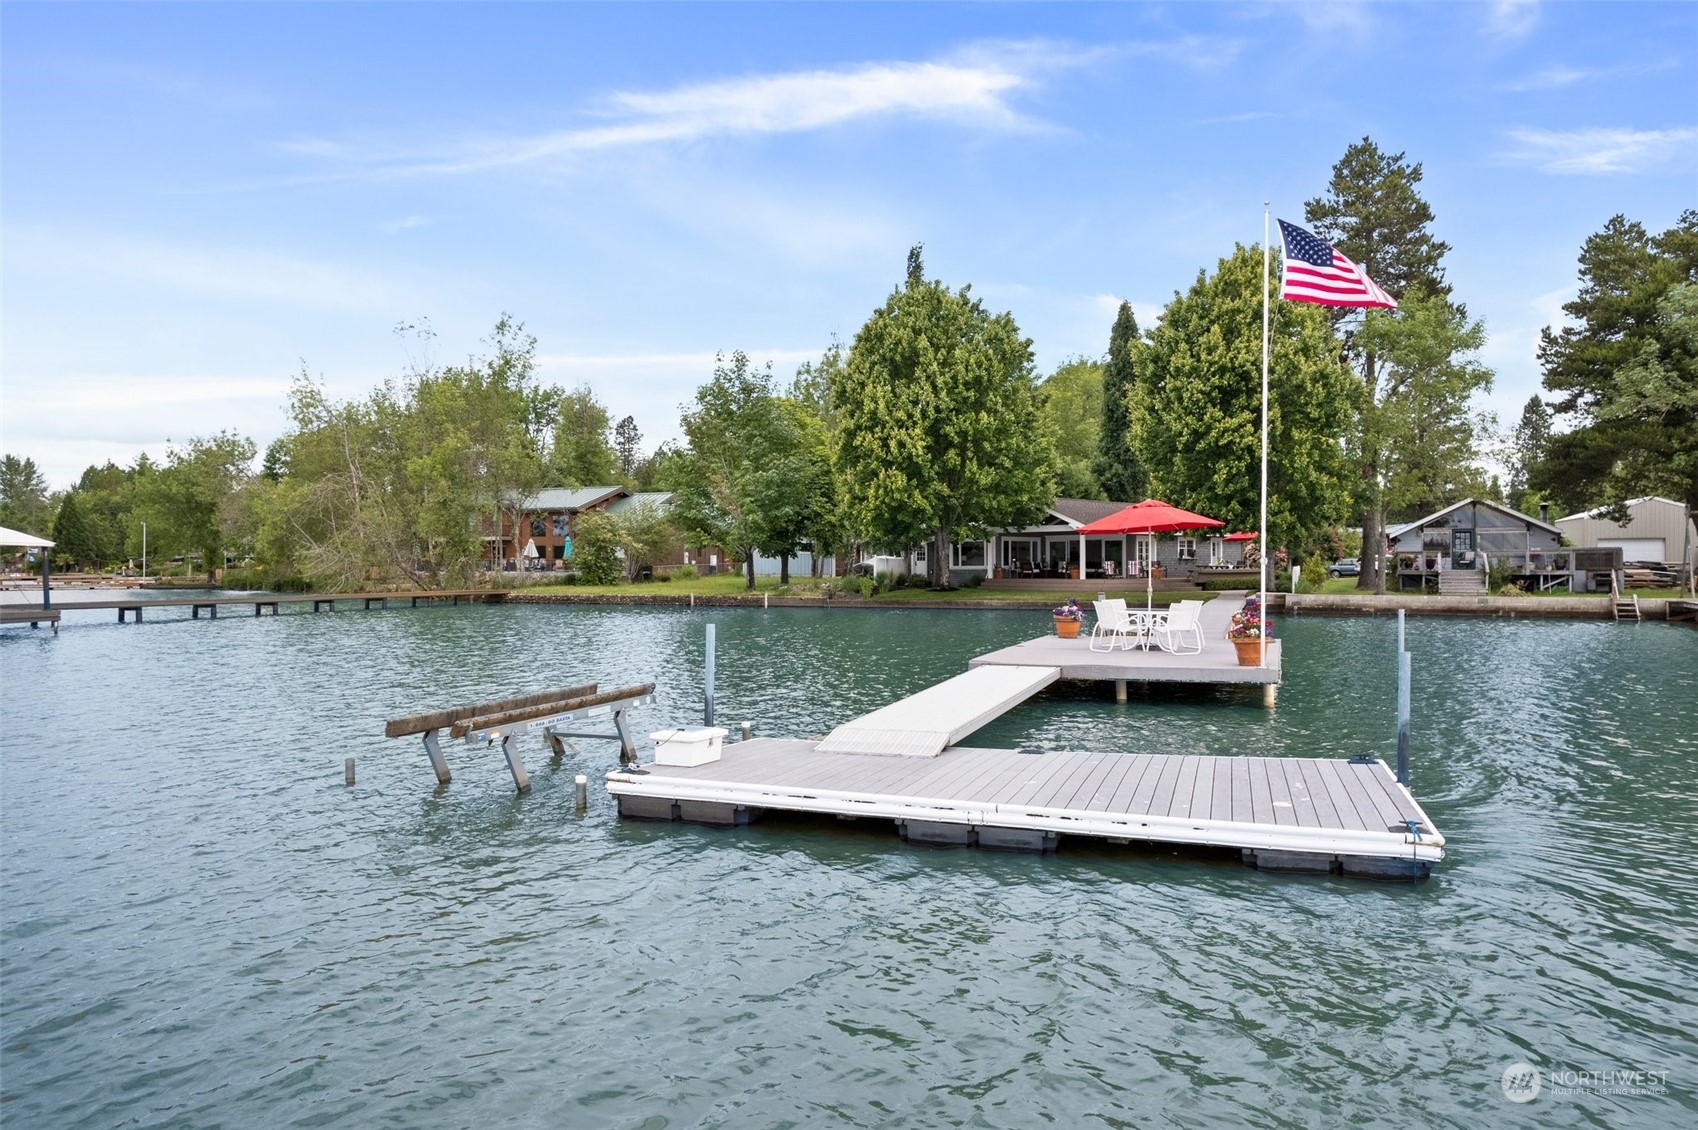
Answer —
(1187, 548)
(968, 555)
(539, 527)
(559, 525)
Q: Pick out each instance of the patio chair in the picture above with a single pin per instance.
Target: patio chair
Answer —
(1113, 620)
(1182, 632)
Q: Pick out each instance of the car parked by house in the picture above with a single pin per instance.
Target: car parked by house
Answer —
(1348, 567)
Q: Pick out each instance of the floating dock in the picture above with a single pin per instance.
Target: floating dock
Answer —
(1285, 814)
(1217, 662)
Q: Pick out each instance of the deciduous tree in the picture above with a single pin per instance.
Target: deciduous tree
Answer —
(940, 433)
(1199, 424)
(1073, 400)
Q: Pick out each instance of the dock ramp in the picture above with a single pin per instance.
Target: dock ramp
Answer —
(925, 724)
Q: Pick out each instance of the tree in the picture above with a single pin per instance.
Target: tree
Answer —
(1529, 443)
(1120, 472)
(582, 457)
(1073, 399)
(595, 547)
(73, 540)
(626, 439)
(1374, 215)
(940, 432)
(730, 431)
(645, 532)
(1199, 422)
(23, 496)
(1625, 372)
(1428, 438)
(192, 497)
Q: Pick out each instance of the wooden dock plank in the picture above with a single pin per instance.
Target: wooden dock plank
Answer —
(1341, 796)
(1162, 797)
(1203, 793)
(993, 786)
(1241, 808)
(1183, 786)
(1302, 804)
(1102, 766)
(1100, 800)
(1279, 793)
(1220, 805)
(1142, 798)
(1378, 784)
(1121, 799)
(1261, 798)
(1059, 788)
(1326, 813)
(1026, 788)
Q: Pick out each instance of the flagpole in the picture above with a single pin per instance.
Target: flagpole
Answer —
(1262, 570)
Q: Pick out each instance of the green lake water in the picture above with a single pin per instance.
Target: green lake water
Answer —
(200, 925)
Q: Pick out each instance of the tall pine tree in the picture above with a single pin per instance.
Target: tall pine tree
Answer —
(1372, 213)
(1120, 473)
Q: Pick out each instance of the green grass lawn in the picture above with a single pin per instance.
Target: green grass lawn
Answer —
(732, 584)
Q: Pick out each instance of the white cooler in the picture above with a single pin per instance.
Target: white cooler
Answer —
(698, 746)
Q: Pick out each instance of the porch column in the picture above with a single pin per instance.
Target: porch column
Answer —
(1081, 557)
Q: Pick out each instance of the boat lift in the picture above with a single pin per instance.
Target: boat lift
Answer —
(505, 720)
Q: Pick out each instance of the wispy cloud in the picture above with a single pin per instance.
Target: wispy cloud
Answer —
(977, 88)
(405, 223)
(1512, 19)
(1600, 150)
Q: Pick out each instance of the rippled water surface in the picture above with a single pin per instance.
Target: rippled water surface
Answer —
(201, 925)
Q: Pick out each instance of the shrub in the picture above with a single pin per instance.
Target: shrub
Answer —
(973, 581)
(664, 578)
(867, 586)
(917, 580)
(687, 573)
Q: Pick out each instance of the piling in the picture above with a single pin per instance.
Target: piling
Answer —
(348, 772)
(1403, 718)
(582, 784)
(748, 730)
(707, 700)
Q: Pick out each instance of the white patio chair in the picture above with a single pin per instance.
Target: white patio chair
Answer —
(1181, 633)
(1114, 621)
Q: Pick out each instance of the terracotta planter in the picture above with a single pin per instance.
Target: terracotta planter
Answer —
(1067, 629)
(1249, 652)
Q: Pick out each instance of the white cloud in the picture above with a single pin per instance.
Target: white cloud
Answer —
(1512, 19)
(1599, 150)
(405, 223)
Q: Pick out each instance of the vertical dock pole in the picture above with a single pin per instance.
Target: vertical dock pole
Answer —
(707, 702)
(1402, 706)
(582, 784)
(748, 730)
(348, 772)
(1120, 690)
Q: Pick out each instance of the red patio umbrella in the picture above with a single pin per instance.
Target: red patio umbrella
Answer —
(1151, 516)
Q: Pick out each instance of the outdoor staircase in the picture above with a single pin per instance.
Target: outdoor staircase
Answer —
(1462, 582)
(1624, 607)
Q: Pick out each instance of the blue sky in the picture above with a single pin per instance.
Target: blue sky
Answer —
(196, 201)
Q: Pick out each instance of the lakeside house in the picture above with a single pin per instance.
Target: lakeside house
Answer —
(1455, 548)
(547, 521)
(1053, 548)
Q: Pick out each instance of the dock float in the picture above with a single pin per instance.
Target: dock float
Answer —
(1282, 814)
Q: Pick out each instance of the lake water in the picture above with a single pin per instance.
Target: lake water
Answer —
(201, 926)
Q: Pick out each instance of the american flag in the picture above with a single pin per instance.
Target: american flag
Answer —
(1315, 272)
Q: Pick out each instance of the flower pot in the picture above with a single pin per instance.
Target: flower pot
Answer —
(1249, 652)
(1067, 629)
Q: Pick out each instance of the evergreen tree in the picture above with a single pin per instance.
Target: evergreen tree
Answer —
(626, 441)
(23, 496)
(73, 540)
(1374, 215)
(1528, 445)
(1119, 471)
(1626, 371)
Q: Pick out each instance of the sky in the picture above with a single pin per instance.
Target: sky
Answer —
(198, 203)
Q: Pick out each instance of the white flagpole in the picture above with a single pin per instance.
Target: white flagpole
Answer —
(1262, 571)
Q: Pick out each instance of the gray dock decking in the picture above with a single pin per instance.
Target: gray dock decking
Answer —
(1216, 663)
(923, 724)
(1304, 814)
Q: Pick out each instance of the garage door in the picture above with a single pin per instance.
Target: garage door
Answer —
(1636, 549)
